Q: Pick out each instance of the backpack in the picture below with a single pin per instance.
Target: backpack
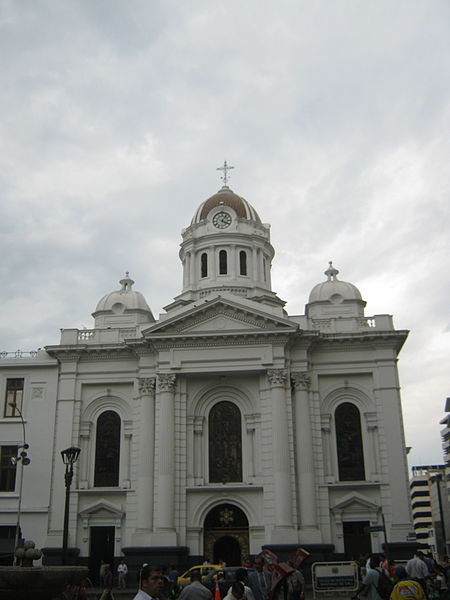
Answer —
(385, 585)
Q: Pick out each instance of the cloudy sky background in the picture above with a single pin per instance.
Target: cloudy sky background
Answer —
(335, 114)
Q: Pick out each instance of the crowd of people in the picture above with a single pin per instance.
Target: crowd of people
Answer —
(253, 584)
(422, 578)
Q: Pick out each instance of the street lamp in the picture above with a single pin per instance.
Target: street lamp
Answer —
(23, 457)
(69, 456)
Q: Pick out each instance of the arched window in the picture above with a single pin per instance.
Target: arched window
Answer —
(204, 264)
(225, 443)
(223, 267)
(243, 262)
(107, 450)
(350, 452)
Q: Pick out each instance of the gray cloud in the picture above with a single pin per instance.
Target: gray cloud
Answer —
(114, 117)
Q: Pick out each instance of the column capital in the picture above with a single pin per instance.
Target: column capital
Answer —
(147, 386)
(166, 382)
(301, 380)
(277, 377)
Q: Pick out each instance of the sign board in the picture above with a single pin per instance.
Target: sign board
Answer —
(333, 578)
(373, 528)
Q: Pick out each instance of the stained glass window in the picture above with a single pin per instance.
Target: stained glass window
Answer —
(107, 450)
(225, 443)
(350, 452)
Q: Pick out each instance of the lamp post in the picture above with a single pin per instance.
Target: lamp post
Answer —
(23, 457)
(69, 456)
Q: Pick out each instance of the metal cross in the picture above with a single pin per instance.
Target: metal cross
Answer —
(225, 168)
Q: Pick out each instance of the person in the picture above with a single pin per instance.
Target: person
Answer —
(406, 588)
(369, 584)
(260, 580)
(195, 590)
(418, 570)
(150, 583)
(122, 571)
(107, 583)
(236, 591)
(241, 575)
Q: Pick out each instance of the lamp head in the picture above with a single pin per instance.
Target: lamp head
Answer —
(70, 455)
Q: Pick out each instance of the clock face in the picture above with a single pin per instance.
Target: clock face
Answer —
(221, 220)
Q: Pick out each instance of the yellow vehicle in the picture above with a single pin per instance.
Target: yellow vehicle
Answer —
(205, 570)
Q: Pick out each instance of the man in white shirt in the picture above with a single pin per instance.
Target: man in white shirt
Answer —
(417, 569)
(151, 583)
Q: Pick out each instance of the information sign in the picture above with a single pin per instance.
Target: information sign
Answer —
(334, 578)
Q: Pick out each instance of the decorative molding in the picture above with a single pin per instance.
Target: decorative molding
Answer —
(371, 420)
(147, 386)
(37, 393)
(325, 422)
(301, 380)
(166, 382)
(198, 424)
(277, 377)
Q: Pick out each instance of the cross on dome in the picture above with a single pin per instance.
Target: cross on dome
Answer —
(225, 168)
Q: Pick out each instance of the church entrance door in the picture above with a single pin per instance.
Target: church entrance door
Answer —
(226, 535)
(101, 549)
(356, 542)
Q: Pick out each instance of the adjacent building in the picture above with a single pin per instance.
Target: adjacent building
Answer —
(224, 425)
(430, 507)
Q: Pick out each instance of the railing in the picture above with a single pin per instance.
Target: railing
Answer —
(97, 336)
(19, 354)
(349, 324)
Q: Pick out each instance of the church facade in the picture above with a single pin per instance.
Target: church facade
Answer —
(222, 426)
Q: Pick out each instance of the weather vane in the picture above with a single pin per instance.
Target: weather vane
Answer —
(225, 168)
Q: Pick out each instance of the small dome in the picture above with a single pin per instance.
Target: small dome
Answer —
(124, 299)
(333, 290)
(226, 197)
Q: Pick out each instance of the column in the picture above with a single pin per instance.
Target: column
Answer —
(372, 431)
(251, 428)
(306, 489)
(193, 277)
(198, 454)
(146, 456)
(255, 265)
(282, 488)
(166, 454)
(326, 441)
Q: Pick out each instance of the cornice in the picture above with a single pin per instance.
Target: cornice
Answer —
(214, 340)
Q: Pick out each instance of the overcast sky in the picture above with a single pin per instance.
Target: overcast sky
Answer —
(335, 114)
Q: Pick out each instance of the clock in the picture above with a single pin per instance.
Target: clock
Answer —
(221, 220)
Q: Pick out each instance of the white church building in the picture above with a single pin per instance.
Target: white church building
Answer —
(223, 426)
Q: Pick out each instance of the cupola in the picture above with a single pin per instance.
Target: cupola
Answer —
(335, 298)
(122, 308)
(226, 248)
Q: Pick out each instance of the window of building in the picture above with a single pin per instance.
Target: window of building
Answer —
(349, 443)
(225, 443)
(107, 450)
(243, 262)
(223, 260)
(204, 264)
(7, 468)
(13, 397)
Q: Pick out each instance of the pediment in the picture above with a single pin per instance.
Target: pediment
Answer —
(102, 509)
(220, 317)
(355, 502)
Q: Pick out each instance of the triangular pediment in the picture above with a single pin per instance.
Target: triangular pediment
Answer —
(220, 317)
(355, 502)
(102, 509)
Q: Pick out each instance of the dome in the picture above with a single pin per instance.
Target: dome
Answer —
(334, 298)
(124, 299)
(117, 307)
(226, 197)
